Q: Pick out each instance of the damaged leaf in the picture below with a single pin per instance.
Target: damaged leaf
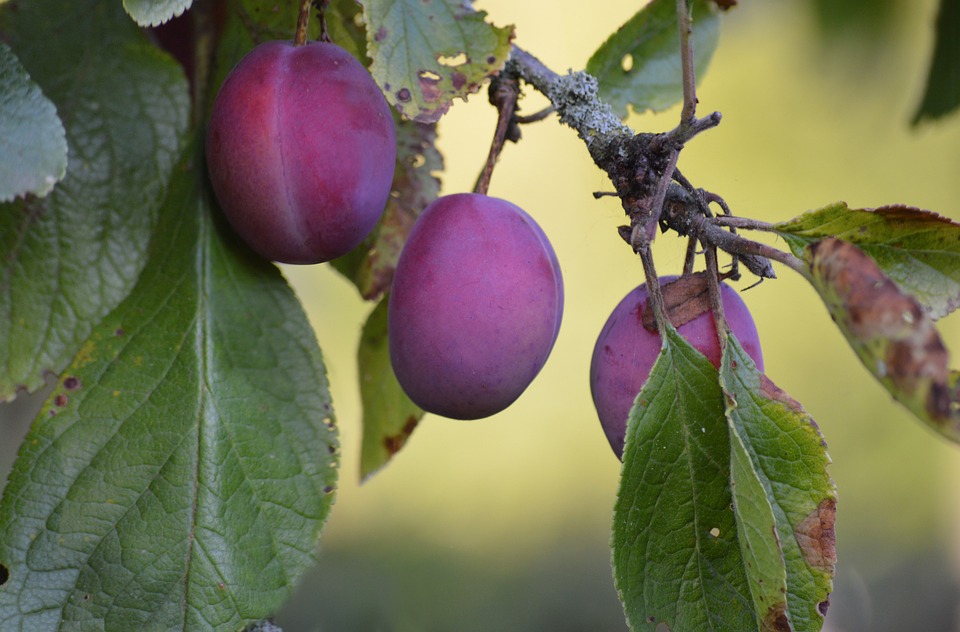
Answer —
(894, 338)
(425, 54)
(684, 299)
(639, 65)
(389, 417)
(784, 500)
(918, 250)
(415, 185)
(677, 557)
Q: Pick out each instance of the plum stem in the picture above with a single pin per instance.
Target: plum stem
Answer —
(716, 300)
(303, 22)
(504, 91)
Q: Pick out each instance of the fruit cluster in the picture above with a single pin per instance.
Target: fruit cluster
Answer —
(301, 148)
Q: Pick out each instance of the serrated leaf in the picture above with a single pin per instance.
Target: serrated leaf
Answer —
(70, 258)
(33, 145)
(155, 12)
(425, 54)
(676, 553)
(179, 474)
(889, 331)
(942, 93)
(785, 503)
(918, 250)
(639, 65)
(415, 185)
(389, 417)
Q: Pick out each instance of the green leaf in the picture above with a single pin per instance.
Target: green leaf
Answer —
(918, 250)
(389, 417)
(942, 93)
(415, 185)
(425, 54)
(639, 65)
(889, 331)
(676, 553)
(70, 258)
(33, 145)
(785, 504)
(155, 12)
(179, 474)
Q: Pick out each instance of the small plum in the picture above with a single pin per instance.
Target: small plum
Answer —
(626, 351)
(475, 306)
(300, 150)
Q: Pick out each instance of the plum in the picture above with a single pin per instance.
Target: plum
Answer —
(626, 350)
(475, 306)
(300, 150)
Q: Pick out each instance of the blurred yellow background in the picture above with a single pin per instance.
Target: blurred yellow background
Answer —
(504, 523)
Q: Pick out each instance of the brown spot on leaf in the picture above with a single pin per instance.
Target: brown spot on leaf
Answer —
(60, 400)
(684, 298)
(394, 443)
(4, 574)
(403, 95)
(380, 35)
(816, 536)
(776, 618)
(71, 383)
(458, 79)
(118, 332)
(429, 85)
(897, 341)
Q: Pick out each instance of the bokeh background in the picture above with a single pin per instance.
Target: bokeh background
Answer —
(504, 523)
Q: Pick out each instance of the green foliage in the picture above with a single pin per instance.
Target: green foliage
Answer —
(784, 502)
(676, 553)
(179, 474)
(71, 257)
(942, 93)
(389, 417)
(639, 65)
(154, 12)
(724, 519)
(425, 54)
(33, 145)
(918, 250)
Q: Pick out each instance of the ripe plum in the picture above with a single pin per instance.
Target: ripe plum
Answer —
(300, 150)
(626, 351)
(475, 307)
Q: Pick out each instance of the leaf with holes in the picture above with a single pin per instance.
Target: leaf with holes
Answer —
(425, 54)
(639, 65)
(389, 417)
(33, 144)
(784, 501)
(677, 556)
(180, 473)
(889, 331)
(918, 250)
(70, 258)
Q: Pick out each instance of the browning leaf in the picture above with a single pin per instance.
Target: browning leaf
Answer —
(684, 298)
(893, 336)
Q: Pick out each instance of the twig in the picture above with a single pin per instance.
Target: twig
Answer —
(504, 92)
(303, 22)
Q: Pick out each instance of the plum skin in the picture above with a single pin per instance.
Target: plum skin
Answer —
(625, 352)
(475, 306)
(301, 149)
